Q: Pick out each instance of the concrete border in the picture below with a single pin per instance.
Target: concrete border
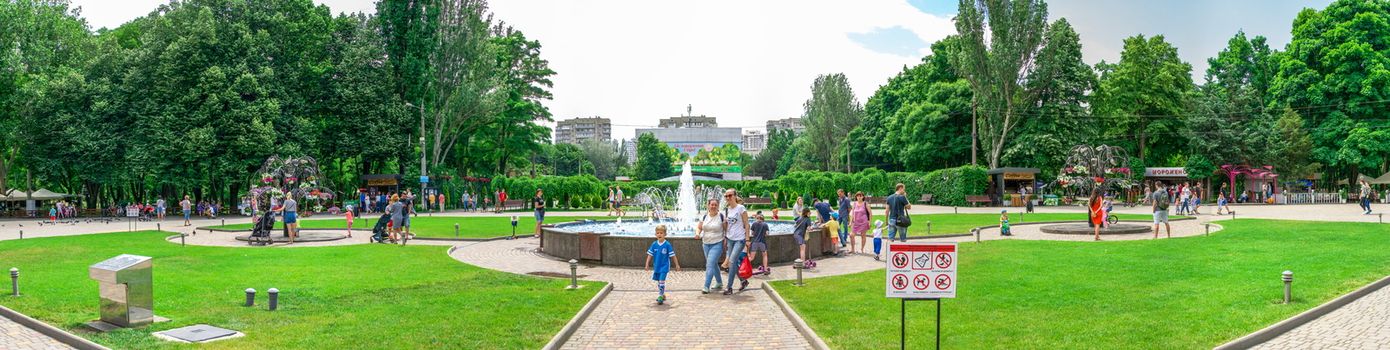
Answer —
(60, 335)
(806, 331)
(564, 336)
(1277, 329)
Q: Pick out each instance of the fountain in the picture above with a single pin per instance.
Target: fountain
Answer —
(622, 243)
(1095, 168)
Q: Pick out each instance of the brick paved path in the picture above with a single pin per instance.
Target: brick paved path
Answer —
(689, 320)
(1362, 324)
(14, 336)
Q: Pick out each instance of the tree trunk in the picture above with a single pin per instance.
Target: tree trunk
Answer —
(974, 135)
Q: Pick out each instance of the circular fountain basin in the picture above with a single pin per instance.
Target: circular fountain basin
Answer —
(608, 243)
(1084, 229)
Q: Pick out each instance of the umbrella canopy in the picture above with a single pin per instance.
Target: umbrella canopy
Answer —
(1382, 180)
(42, 194)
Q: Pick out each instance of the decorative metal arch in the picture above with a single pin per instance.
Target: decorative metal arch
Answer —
(295, 177)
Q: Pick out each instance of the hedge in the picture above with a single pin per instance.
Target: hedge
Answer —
(948, 186)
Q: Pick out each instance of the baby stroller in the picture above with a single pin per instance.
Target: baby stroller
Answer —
(260, 234)
(379, 234)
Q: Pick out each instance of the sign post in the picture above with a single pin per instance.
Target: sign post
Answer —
(920, 271)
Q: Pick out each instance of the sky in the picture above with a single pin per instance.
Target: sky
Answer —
(745, 62)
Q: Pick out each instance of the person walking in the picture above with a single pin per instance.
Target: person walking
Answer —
(609, 202)
(538, 203)
(664, 255)
(348, 216)
(710, 232)
(896, 212)
(1366, 196)
(843, 208)
(290, 209)
(1097, 212)
(160, 206)
(860, 215)
(1160, 209)
(736, 235)
(757, 243)
(187, 206)
(618, 200)
(397, 217)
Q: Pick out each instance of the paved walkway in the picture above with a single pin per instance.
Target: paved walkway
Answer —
(689, 320)
(1362, 324)
(13, 336)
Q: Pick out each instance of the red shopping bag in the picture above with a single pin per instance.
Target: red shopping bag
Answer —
(745, 269)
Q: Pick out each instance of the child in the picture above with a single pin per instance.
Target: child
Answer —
(833, 228)
(878, 238)
(774, 214)
(665, 258)
(1004, 223)
(799, 232)
(349, 221)
(758, 243)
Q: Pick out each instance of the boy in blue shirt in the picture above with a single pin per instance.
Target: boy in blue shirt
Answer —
(665, 258)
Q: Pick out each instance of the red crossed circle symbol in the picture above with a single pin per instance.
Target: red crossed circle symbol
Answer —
(921, 282)
(943, 282)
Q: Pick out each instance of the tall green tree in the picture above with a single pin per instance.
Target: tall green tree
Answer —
(999, 41)
(765, 164)
(41, 41)
(603, 156)
(1293, 147)
(1061, 120)
(1336, 67)
(1142, 96)
(654, 158)
(919, 120)
(830, 113)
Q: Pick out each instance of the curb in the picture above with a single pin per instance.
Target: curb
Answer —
(1277, 329)
(574, 323)
(416, 238)
(806, 331)
(45, 329)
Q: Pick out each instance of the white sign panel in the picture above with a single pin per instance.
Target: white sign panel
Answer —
(921, 270)
(1165, 172)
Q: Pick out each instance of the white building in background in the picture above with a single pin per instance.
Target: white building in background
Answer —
(691, 133)
(754, 142)
(630, 150)
(794, 124)
(572, 131)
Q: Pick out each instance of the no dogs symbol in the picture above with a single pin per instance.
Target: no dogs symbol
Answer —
(920, 282)
(899, 260)
(900, 282)
(943, 261)
(943, 282)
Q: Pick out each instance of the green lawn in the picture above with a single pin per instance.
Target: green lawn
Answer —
(349, 297)
(1185, 293)
(944, 224)
(441, 226)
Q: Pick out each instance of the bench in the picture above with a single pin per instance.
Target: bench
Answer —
(876, 201)
(514, 204)
(758, 201)
(926, 198)
(975, 200)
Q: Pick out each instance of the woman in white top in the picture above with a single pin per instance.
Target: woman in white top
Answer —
(710, 231)
(737, 235)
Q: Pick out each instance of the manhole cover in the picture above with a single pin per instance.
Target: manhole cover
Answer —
(199, 333)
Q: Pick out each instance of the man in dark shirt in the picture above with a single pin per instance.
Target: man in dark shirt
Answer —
(822, 209)
(897, 208)
(538, 203)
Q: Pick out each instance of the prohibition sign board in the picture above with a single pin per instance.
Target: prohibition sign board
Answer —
(929, 267)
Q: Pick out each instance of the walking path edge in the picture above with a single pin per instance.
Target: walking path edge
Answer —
(579, 318)
(806, 331)
(1277, 329)
(51, 331)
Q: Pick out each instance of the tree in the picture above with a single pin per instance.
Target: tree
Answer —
(465, 77)
(603, 156)
(765, 164)
(569, 160)
(919, 120)
(1143, 94)
(999, 41)
(1293, 149)
(830, 113)
(1060, 120)
(1336, 67)
(1227, 123)
(654, 158)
